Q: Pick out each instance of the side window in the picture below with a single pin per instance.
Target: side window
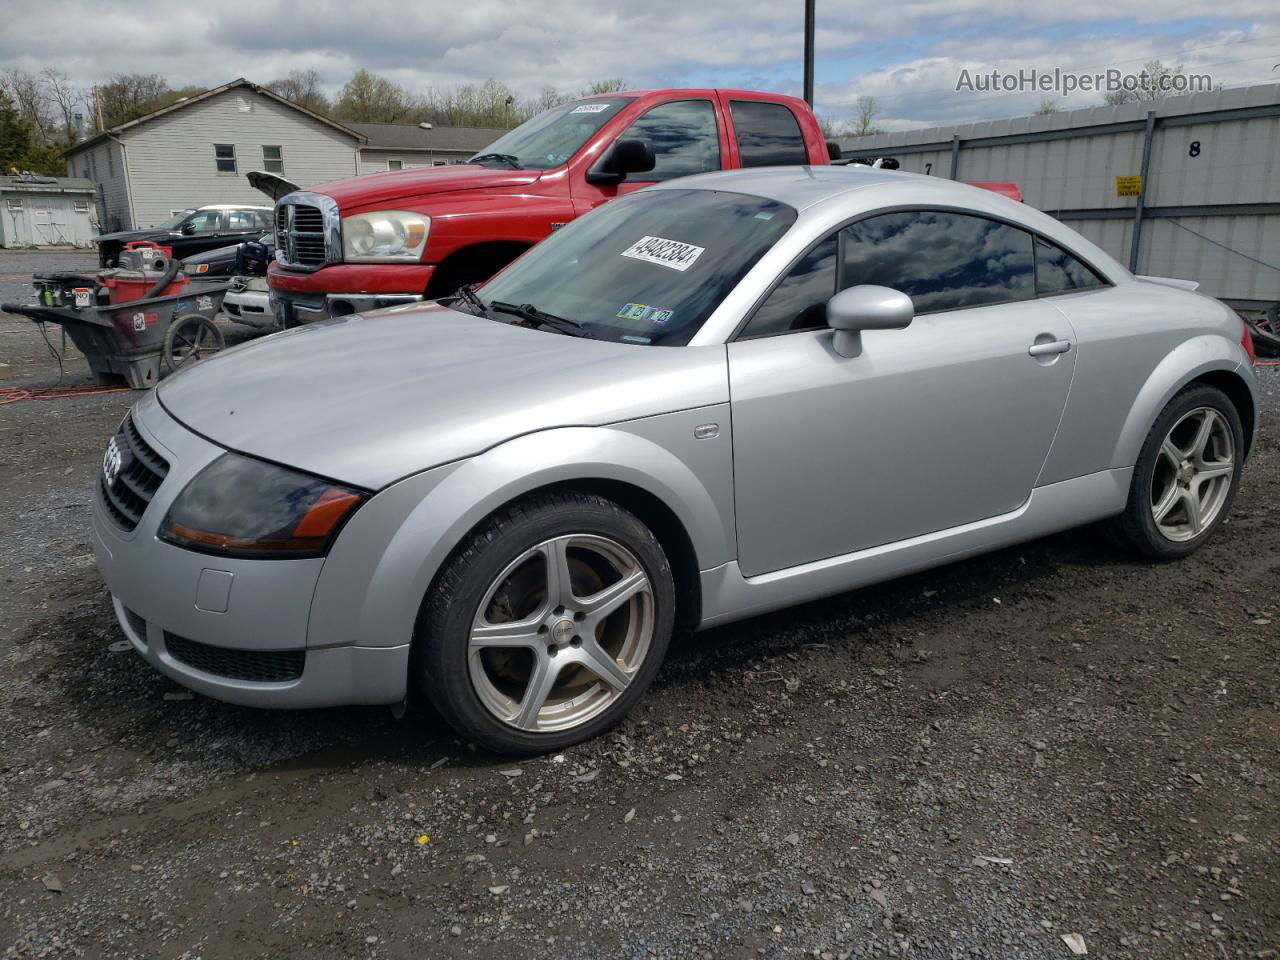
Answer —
(1059, 272)
(224, 157)
(395, 164)
(244, 220)
(942, 261)
(768, 134)
(684, 137)
(799, 302)
(204, 221)
(272, 159)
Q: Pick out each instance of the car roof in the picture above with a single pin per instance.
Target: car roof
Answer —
(836, 192)
(230, 206)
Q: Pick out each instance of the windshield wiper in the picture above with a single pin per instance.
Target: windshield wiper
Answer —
(467, 294)
(512, 161)
(531, 314)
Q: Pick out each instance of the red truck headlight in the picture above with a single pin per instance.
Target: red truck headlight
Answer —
(389, 236)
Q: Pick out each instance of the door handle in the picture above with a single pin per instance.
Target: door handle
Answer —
(1048, 349)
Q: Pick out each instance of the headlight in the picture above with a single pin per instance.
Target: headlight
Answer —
(241, 507)
(391, 236)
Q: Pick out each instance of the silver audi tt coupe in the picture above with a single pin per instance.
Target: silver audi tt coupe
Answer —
(701, 401)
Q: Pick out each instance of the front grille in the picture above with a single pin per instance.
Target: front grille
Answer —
(138, 480)
(301, 237)
(256, 666)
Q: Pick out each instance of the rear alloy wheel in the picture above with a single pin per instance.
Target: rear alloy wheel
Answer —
(547, 627)
(1186, 476)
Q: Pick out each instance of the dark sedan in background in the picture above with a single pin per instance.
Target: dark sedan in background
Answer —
(193, 231)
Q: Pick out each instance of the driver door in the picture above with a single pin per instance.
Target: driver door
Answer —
(686, 139)
(944, 423)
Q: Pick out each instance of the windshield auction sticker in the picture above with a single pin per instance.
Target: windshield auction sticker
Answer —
(666, 253)
(590, 108)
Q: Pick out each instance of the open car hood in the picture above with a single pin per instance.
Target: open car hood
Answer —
(272, 184)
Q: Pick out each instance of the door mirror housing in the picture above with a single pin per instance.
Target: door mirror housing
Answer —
(624, 157)
(866, 307)
(188, 229)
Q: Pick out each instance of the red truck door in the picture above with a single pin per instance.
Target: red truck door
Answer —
(689, 136)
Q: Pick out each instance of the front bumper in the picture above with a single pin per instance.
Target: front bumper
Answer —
(292, 309)
(305, 297)
(232, 629)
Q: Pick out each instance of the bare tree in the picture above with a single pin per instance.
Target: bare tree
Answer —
(63, 99)
(128, 96)
(1047, 105)
(28, 97)
(864, 122)
(303, 88)
(1154, 83)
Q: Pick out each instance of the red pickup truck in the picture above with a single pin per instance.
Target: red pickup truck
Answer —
(386, 238)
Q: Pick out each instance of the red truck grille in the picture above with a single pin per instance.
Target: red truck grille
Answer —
(306, 235)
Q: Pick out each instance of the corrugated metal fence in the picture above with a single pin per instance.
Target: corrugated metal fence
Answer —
(1209, 204)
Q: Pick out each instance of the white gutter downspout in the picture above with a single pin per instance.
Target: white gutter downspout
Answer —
(128, 180)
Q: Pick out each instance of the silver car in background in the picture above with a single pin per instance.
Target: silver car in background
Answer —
(700, 402)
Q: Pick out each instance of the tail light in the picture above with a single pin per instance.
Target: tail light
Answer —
(1246, 341)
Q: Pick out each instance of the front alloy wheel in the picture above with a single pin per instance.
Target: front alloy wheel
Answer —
(547, 625)
(561, 633)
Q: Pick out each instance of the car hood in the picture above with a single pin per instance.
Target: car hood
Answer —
(127, 236)
(382, 188)
(371, 399)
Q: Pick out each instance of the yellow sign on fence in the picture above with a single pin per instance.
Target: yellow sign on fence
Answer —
(1128, 186)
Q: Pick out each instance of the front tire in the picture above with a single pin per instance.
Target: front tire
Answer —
(547, 626)
(1186, 476)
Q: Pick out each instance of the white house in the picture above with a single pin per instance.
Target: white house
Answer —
(197, 151)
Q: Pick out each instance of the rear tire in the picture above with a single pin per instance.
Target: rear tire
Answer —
(547, 626)
(1186, 476)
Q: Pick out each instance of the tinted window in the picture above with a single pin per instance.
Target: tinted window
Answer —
(203, 221)
(942, 261)
(768, 134)
(245, 220)
(647, 268)
(1059, 272)
(684, 138)
(799, 302)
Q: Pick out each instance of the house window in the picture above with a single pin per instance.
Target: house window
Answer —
(439, 163)
(224, 157)
(273, 159)
(82, 206)
(395, 164)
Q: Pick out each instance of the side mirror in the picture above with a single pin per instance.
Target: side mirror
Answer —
(866, 307)
(188, 229)
(624, 157)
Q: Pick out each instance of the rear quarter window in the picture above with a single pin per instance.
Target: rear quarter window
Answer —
(1059, 272)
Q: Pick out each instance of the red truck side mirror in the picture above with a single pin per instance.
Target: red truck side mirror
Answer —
(624, 157)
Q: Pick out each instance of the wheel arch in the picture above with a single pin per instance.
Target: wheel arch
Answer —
(1208, 359)
(460, 266)
(388, 557)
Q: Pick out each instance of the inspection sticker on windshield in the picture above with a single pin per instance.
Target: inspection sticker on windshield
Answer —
(591, 108)
(666, 253)
(643, 312)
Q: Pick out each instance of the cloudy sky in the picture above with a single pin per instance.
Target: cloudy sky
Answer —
(907, 54)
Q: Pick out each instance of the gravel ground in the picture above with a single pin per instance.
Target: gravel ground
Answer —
(1049, 741)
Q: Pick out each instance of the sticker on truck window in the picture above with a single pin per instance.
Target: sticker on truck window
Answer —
(591, 108)
(644, 313)
(666, 253)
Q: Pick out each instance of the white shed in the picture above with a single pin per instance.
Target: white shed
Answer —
(47, 212)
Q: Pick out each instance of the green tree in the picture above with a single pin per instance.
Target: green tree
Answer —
(368, 98)
(128, 96)
(15, 136)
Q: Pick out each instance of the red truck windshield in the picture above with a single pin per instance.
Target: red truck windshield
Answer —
(552, 137)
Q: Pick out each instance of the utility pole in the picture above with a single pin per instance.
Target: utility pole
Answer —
(808, 51)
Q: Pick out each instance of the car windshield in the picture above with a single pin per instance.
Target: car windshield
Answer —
(552, 137)
(175, 221)
(648, 268)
